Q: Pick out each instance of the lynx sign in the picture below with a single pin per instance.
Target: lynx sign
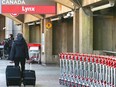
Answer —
(28, 6)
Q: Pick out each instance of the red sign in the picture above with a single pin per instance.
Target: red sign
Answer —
(31, 9)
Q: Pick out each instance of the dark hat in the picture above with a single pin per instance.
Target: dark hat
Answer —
(11, 35)
(19, 36)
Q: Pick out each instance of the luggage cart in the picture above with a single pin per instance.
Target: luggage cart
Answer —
(35, 52)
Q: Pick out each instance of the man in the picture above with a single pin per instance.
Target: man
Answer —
(19, 52)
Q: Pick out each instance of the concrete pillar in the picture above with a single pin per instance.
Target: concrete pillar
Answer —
(85, 32)
(46, 43)
(64, 37)
(76, 31)
(43, 59)
(25, 31)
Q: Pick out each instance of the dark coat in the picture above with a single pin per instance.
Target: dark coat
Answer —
(19, 49)
(10, 41)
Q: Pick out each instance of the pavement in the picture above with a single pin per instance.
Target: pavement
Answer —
(46, 76)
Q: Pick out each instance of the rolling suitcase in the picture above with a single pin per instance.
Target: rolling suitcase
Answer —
(13, 76)
(29, 77)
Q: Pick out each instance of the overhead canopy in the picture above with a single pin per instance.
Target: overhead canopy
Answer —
(66, 3)
(13, 18)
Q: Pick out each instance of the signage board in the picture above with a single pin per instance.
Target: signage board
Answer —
(48, 25)
(29, 6)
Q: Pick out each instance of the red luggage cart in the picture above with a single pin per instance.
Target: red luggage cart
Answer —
(35, 52)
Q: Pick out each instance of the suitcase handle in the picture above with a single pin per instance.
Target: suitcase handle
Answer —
(29, 66)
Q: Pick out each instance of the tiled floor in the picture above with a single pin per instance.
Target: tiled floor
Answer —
(46, 76)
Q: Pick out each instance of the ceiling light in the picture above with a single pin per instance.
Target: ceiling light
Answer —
(31, 24)
(55, 19)
(111, 4)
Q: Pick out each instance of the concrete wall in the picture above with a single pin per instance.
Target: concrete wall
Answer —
(104, 33)
(62, 36)
(69, 35)
(103, 27)
(34, 34)
(114, 31)
(25, 30)
(2, 25)
(57, 37)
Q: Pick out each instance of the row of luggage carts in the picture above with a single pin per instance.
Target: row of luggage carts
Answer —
(87, 70)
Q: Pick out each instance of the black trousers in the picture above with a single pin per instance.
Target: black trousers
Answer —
(8, 50)
(20, 61)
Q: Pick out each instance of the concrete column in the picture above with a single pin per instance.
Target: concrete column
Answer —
(76, 31)
(43, 59)
(64, 37)
(46, 43)
(85, 32)
(25, 31)
(114, 31)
